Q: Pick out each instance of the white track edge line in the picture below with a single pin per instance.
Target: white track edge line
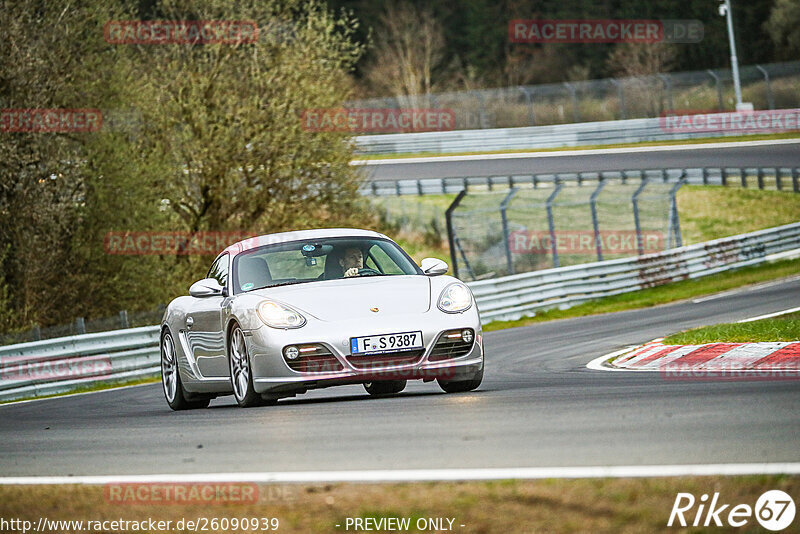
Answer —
(416, 475)
(597, 363)
(769, 315)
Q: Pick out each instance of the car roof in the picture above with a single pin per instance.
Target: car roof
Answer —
(285, 237)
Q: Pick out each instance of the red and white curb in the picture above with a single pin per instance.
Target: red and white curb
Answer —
(778, 360)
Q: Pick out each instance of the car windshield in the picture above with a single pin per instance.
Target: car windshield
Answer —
(315, 260)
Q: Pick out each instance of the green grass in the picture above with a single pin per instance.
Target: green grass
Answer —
(712, 212)
(90, 388)
(757, 137)
(781, 328)
(662, 294)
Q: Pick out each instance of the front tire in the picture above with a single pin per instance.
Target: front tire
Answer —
(177, 397)
(241, 371)
(460, 386)
(385, 387)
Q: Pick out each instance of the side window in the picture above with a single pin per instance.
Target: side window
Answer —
(219, 270)
(385, 264)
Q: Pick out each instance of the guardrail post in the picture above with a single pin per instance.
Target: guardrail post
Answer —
(397, 187)
(123, 319)
(724, 176)
(743, 177)
(374, 186)
(705, 176)
(36, 331)
(796, 180)
(550, 223)
(635, 202)
(778, 179)
(80, 325)
(770, 98)
(451, 236)
(506, 237)
(595, 224)
(760, 172)
(720, 105)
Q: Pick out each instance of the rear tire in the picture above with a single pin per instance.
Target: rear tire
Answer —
(385, 387)
(177, 397)
(453, 386)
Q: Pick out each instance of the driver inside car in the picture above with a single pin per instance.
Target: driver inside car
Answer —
(351, 261)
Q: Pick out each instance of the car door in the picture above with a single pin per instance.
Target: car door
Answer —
(204, 325)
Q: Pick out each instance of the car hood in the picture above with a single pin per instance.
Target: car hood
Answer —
(335, 299)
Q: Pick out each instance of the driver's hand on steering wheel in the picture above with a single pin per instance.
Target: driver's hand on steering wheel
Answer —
(351, 272)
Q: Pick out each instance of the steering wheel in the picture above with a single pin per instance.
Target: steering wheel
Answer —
(368, 272)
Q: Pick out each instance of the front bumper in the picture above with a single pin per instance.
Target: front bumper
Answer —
(272, 376)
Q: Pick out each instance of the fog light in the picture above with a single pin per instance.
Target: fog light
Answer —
(291, 352)
(466, 335)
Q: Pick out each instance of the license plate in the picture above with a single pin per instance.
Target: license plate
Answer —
(386, 343)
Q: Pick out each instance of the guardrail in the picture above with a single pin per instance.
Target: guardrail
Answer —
(70, 363)
(511, 297)
(66, 364)
(531, 137)
(779, 178)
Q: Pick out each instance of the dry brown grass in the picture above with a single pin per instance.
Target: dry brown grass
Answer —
(507, 506)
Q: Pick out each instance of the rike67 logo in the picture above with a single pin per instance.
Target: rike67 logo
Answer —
(774, 510)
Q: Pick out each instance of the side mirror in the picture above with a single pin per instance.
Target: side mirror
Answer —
(207, 287)
(433, 266)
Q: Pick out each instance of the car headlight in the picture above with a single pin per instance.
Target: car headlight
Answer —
(455, 298)
(277, 315)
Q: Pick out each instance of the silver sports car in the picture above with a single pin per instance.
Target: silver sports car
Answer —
(280, 314)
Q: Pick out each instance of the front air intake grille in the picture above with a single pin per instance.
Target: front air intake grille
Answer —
(451, 345)
(388, 359)
(314, 358)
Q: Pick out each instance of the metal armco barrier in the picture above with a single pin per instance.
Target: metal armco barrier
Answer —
(531, 137)
(779, 178)
(514, 296)
(66, 364)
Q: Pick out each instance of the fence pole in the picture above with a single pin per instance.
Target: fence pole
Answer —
(529, 98)
(550, 223)
(451, 236)
(720, 104)
(576, 117)
(635, 202)
(595, 224)
(674, 224)
(770, 98)
(123, 319)
(668, 86)
(506, 237)
(620, 98)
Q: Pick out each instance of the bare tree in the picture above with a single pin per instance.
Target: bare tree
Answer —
(409, 48)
